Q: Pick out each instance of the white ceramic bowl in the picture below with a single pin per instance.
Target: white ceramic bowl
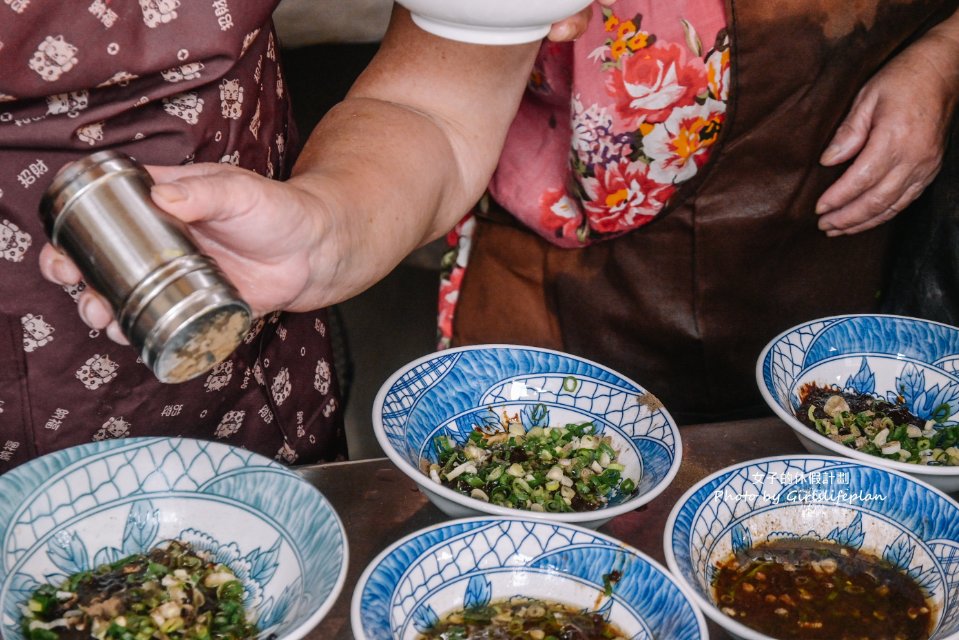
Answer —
(82, 507)
(470, 562)
(882, 355)
(449, 392)
(491, 21)
(864, 506)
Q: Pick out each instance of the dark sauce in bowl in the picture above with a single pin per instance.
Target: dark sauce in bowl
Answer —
(523, 619)
(810, 590)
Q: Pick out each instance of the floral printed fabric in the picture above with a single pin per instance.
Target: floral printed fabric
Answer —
(610, 128)
(629, 157)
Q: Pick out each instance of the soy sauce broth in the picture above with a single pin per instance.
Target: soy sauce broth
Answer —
(810, 590)
(523, 619)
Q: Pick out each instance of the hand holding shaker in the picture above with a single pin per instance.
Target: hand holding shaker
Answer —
(172, 302)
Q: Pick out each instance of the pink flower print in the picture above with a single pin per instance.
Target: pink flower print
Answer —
(623, 197)
(451, 277)
(589, 125)
(717, 74)
(680, 145)
(653, 81)
(593, 140)
(449, 294)
(560, 215)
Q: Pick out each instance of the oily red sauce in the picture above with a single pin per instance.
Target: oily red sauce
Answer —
(811, 590)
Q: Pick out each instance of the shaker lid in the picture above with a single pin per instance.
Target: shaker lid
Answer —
(190, 324)
(204, 341)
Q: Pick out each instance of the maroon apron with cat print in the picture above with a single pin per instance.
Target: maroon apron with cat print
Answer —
(169, 82)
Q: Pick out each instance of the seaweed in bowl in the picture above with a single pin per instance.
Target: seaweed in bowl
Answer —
(879, 426)
(523, 619)
(171, 591)
(519, 460)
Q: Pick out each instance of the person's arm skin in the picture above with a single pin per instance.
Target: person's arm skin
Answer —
(395, 165)
(896, 130)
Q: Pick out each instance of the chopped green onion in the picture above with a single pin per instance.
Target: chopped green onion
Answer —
(551, 468)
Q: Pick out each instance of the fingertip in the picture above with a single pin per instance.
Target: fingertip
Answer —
(830, 221)
(562, 31)
(65, 272)
(827, 227)
(572, 27)
(48, 253)
(830, 155)
(57, 268)
(169, 193)
(114, 333)
(94, 311)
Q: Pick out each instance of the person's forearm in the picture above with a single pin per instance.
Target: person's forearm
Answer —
(940, 46)
(409, 150)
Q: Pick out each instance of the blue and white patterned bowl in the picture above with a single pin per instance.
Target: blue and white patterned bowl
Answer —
(448, 392)
(890, 514)
(81, 507)
(475, 561)
(878, 354)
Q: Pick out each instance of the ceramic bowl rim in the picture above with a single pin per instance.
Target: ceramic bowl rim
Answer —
(709, 608)
(425, 8)
(308, 623)
(355, 602)
(805, 432)
(428, 485)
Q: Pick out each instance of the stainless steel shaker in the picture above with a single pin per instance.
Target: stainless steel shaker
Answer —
(172, 302)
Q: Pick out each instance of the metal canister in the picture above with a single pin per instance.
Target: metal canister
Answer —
(172, 302)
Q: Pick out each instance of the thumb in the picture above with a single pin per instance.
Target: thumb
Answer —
(572, 27)
(207, 198)
(852, 134)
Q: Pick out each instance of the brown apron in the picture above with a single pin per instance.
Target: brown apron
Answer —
(685, 304)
